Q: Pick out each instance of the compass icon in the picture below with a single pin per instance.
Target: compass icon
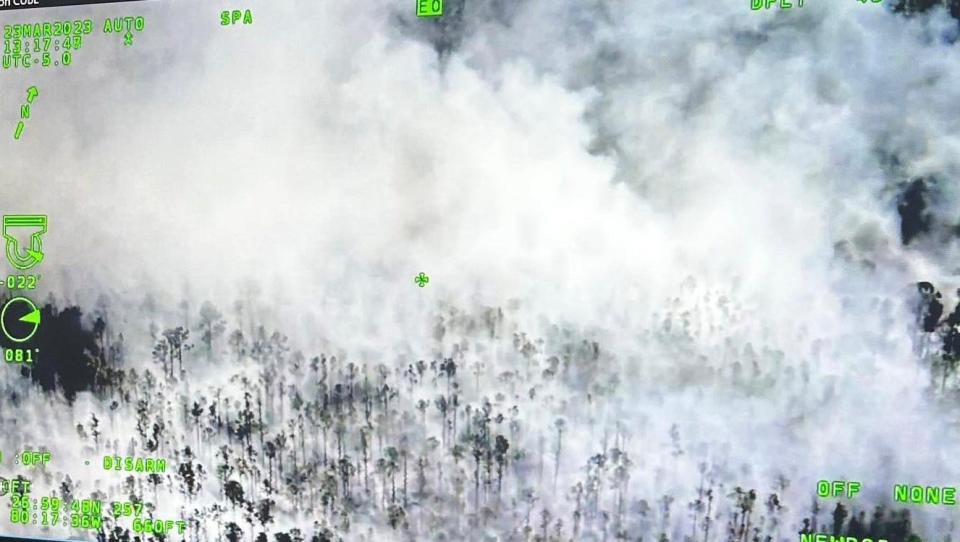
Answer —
(19, 319)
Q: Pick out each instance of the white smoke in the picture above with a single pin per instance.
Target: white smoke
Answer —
(581, 160)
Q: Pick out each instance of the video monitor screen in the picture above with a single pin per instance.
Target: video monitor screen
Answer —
(480, 270)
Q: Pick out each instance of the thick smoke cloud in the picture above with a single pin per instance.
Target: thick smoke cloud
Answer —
(704, 190)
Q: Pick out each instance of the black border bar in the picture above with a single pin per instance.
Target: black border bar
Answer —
(7, 538)
(27, 4)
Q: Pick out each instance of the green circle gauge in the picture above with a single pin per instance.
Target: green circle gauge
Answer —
(19, 319)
